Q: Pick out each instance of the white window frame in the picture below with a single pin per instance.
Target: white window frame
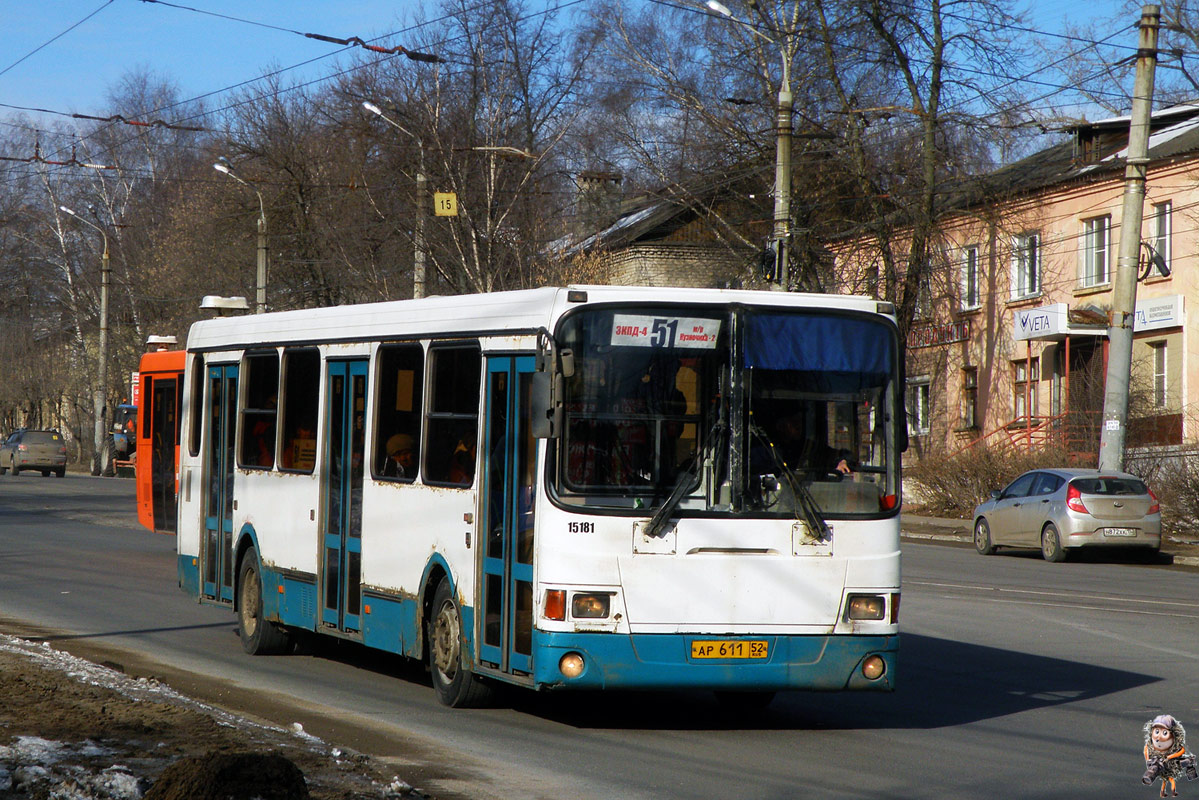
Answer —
(1160, 384)
(1096, 247)
(1026, 265)
(1163, 229)
(971, 298)
(919, 405)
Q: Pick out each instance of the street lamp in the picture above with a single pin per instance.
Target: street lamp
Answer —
(418, 262)
(100, 396)
(260, 282)
(781, 237)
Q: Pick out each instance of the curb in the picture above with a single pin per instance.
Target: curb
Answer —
(1184, 561)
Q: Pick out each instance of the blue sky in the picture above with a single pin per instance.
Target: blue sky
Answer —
(204, 54)
(200, 53)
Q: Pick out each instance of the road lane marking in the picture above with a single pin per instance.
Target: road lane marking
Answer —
(1042, 593)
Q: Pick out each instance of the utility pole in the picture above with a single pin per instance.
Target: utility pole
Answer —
(100, 397)
(1119, 360)
(260, 281)
(422, 207)
(780, 239)
(782, 178)
(422, 211)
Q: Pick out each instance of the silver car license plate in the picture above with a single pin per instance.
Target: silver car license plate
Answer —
(1119, 531)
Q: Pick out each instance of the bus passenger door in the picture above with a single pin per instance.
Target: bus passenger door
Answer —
(218, 512)
(345, 449)
(164, 450)
(507, 492)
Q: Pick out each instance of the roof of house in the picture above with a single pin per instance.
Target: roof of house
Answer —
(1095, 150)
(657, 212)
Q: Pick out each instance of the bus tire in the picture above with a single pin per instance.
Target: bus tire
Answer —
(258, 636)
(456, 686)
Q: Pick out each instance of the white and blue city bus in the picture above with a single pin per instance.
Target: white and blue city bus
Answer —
(561, 488)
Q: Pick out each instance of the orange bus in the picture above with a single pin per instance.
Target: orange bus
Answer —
(158, 413)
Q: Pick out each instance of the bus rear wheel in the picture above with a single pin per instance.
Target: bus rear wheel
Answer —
(456, 686)
(259, 637)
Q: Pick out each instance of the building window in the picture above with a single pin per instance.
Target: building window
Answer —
(970, 293)
(918, 406)
(924, 299)
(1096, 242)
(1026, 265)
(1159, 374)
(1025, 373)
(1163, 224)
(969, 397)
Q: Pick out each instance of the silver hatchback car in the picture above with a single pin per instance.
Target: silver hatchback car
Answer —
(1059, 510)
(45, 451)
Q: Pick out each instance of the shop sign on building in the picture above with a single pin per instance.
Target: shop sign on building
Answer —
(1157, 313)
(933, 335)
(1039, 323)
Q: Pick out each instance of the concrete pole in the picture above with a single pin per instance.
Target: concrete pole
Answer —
(260, 282)
(1119, 363)
(782, 177)
(101, 396)
(422, 211)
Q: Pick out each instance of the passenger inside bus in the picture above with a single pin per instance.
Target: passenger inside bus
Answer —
(401, 457)
(462, 460)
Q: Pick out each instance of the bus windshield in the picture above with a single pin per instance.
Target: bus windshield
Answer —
(747, 412)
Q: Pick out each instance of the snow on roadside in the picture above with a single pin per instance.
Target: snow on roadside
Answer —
(34, 766)
(136, 689)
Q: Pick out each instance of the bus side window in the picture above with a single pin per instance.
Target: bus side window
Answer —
(398, 409)
(195, 417)
(145, 401)
(452, 420)
(298, 409)
(259, 414)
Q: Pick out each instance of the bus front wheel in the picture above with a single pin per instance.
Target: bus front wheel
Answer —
(258, 636)
(456, 686)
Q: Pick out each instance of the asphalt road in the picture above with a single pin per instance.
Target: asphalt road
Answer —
(1017, 678)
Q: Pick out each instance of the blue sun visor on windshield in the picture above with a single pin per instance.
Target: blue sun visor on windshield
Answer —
(838, 353)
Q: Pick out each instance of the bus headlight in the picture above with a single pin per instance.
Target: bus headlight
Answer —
(590, 606)
(571, 665)
(866, 606)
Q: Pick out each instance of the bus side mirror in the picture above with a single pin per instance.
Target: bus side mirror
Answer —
(545, 403)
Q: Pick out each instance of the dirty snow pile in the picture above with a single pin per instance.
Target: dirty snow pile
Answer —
(32, 766)
(35, 762)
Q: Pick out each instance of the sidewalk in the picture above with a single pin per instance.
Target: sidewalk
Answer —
(944, 529)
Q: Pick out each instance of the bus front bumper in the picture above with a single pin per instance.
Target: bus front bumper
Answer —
(672, 661)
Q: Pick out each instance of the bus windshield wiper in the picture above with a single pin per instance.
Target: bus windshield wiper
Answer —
(806, 506)
(657, 523)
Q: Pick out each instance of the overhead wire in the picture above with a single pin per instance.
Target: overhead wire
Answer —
(56, 37)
